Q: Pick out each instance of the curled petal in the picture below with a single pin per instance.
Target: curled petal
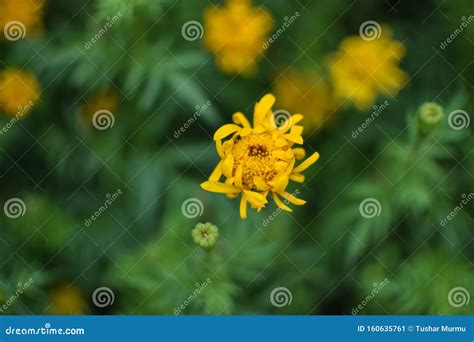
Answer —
(307, 163)
(225, 131)
(262, 109)
(240, 119)
(300, 153)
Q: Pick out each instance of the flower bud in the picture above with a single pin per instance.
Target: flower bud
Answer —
(205, 234)
(429, 116)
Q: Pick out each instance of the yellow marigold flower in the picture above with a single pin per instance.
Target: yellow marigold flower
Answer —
(20, 18)
(19, 90)
(362, 69)
(104, 100)
(236, 32)
(259, 159)
(307, 93)
(67, 300)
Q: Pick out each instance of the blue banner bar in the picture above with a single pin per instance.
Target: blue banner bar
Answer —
(237, 328)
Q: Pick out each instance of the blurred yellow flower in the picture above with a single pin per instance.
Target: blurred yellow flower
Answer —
(306, 93)
(19, 90)
(104, 100)
(67, 300)
(19, 18)
(362, 69)
(236, 33)
(260, 159)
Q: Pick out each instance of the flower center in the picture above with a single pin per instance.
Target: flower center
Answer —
(254, 153)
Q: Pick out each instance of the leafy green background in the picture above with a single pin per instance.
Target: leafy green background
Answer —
(325, 253)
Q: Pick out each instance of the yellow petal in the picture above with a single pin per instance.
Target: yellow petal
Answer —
(300, 153)
(307, 163)
(281, 142)
(240, 119)
(293, 120)
(292, 199)
(280, 204)
(226, 130)
(256, 199)
(259, 129)
(238, 176)
(228, 166)
(297, 177)
(262, 109)
(219, 187)
(220, 149)
(260, 183)
(217, 173)
(243, 208)
(297, 139)
(279, 183)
